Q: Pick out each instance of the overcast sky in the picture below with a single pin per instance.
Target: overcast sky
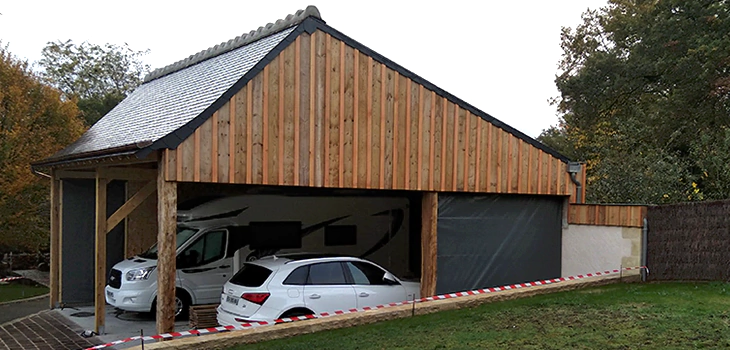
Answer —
(500, 56)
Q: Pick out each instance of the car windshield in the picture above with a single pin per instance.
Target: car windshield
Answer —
(183, 234)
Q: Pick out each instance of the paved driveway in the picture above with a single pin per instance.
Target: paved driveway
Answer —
(44, 330)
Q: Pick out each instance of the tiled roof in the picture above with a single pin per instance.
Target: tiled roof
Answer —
(174, 95)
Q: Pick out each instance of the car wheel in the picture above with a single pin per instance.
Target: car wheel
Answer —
(297, 312)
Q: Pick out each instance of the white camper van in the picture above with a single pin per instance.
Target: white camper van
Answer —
(217, 236)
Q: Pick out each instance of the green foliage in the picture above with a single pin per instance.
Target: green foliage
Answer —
(34, 123)
(619, 316)
(645, 94)
(98, 77)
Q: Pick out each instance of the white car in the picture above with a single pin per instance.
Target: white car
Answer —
(301, 284)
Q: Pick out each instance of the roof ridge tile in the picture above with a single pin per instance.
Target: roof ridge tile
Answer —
(232, 44)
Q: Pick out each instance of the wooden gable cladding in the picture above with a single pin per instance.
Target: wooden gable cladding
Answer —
(607, 215)
(324, 114)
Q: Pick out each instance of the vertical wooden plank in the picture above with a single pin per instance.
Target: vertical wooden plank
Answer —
(429, 244)
(450, 159)
(373, 123)
(297, 107)
(401, 166)
(166, 245)
(341, 138)
(355, 118)
(533, 162)
(280, 112)
(490, 176)
(312, 99)
(272, 123)
(477, 154)
(420, 137)
(467, 150)
(444, 146)
(290, 120)
(484, 155)
(249, 132)
(179, 162)
(257, 129)
(456, 174)
(232, 140)
(55, 220)
(240, 137)
(551, 188)
(383, 151)
(265, 122)
(503, 168)
(526, 169)
(539, 175)
(196, 155)
(222, 152)
(332, 114)
(363, 118)
(204, 150)
(407, 157)
(396, 138)
(427, 161)
(319, 108)
(387, 105)
(328, 100)
(303, 94)
(100, 262)
(214, 144)
(436, 127)
(349, 140)
(461, 149)
(416, 137)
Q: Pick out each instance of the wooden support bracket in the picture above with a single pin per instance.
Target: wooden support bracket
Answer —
(130, 205)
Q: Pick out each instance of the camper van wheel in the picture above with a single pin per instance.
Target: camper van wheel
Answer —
(182, 304)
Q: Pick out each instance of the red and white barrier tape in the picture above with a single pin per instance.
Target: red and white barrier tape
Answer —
(367, 308)
(10, 279)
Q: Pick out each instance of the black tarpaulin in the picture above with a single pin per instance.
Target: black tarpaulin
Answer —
(494, 240)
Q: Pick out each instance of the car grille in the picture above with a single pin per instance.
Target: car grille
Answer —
(115, 279)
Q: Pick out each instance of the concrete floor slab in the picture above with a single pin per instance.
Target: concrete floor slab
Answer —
(118, 324)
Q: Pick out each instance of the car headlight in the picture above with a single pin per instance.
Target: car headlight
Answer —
(140, 274)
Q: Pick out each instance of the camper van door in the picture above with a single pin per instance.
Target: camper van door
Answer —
(204, 267)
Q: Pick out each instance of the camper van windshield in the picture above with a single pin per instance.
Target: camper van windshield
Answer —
(183, 234)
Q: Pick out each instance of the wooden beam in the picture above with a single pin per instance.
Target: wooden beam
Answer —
(130, 205)
(128, 174)
(100, 265)
(429, 216)
(166, 245)
(55, 239)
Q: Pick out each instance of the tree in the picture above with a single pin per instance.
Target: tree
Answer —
(97, 77)
(645, 100)
(34, 123)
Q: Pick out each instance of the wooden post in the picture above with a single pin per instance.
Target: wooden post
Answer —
(55, 240)
(166, 246)
(429, 216)
(100, 271)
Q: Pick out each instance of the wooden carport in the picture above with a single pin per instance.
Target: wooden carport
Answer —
(318, 109)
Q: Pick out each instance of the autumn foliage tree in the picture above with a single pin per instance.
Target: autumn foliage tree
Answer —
(34, 123)
(645, 100)
(97, 77)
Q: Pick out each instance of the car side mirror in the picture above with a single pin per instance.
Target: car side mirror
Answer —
(389, 278)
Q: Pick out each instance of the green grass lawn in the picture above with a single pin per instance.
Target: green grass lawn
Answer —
(16, 291)
(619, 316)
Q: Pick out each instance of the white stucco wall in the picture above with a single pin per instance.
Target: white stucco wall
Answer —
(588, 249)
